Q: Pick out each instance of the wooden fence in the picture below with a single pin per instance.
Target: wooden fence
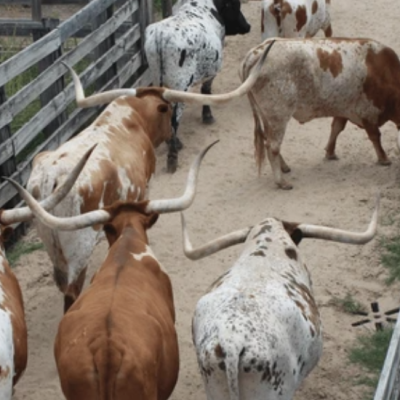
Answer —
(112, 56)
(389, 381)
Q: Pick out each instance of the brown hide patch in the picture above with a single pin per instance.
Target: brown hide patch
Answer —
(291, 253)
(4, 372)
(286, 9)
(105, 187)
(13, 303)
(219, 351)
(273, 10)
(382, 82)
(330, 61)
(301, 17)
(314, 7)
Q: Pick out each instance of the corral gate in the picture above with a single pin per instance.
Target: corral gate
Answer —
(107, 39)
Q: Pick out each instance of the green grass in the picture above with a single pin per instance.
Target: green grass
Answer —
(20, 249)
(390, 257)
(369, 352)
(348, 304)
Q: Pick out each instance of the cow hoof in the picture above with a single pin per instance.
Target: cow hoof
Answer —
(285, 169)
(172, 165)
(384, 162)
(208, 120)
(331, 157)
(285, 186)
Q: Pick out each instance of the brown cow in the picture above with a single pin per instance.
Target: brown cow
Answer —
(355, 80)
(118, 340)
(126, 133)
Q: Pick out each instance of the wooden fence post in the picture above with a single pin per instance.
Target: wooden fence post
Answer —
(166, 8)
(7, 169)
(104, 47)
(36, 10)
(58, 86)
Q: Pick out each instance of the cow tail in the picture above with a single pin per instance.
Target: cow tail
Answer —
(161, 65)
(107, 363)
(232, 373)
(259, 134)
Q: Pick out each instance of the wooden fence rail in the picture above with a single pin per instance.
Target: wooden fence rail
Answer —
(112, 52)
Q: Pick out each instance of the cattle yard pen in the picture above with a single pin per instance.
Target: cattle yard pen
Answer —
(104, 43)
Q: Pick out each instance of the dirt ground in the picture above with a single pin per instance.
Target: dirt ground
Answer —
(231, 195)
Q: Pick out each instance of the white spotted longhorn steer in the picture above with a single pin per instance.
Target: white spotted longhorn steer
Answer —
(186, 49)
(118, 340)
(257, 332)
(126, 133)
(13, 331)
(295, 18)
(356, 80)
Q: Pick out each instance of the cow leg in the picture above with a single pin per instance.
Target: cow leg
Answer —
(374, 135)
(74, 290)
(284, 167)
(207, 115)
(174, 144)
(338, 124)
(273, 151)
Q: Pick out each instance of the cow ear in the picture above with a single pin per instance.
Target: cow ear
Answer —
(6, 233)
(111, 233)
(296, 236)
(162, 108)
(294, 232)
(152, 219)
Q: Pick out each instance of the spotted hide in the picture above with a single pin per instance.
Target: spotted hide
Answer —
(295, 18)
(119, 169)
(186, 49)
(355, 80)
(13, 332)
(259, 326)
(257, 331)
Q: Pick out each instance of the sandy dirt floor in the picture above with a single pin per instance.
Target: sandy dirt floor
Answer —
(231, 195)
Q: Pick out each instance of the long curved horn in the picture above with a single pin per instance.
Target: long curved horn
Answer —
(342, 236)
(183, 202)
(214, 246)
(102, 216)
(8, 217)
(98, 98)
(64, 224)
(213, 99)
(168, 94)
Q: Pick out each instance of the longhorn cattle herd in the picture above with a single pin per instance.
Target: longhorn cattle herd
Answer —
(257, 331)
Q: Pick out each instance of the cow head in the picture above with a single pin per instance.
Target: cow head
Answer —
(296, 231)
(232, 17)
(157, 113)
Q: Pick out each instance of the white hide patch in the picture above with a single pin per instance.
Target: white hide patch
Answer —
(6, 356)
(148, 253)
(127, 185)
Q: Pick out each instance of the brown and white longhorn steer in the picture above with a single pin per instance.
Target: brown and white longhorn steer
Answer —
(356, 80)
(257, 331)
(13, 331)
(295, 18)
(126, 133)
(118, 340)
